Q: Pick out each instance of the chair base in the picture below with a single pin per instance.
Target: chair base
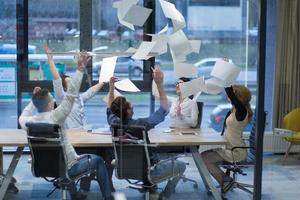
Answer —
(185, 179)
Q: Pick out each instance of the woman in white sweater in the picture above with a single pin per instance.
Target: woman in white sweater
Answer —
(184, 111)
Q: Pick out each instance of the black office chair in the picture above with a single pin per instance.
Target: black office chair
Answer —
(236, 168)
(49, 156)
(132, 157)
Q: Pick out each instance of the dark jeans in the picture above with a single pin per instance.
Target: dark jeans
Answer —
(97, 164)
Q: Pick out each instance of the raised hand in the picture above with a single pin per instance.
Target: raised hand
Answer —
(158, 75)
(112, 81)
(83, 59)
(48, 51)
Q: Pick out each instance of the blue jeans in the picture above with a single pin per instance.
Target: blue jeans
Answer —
(96, 163)
(168, 169)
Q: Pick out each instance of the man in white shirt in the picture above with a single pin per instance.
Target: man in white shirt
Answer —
(43, 103)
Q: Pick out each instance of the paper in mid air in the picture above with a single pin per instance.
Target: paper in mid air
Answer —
(180, 46)
(116, 94)
(143, 51)
(137, 15)
(213, 86)
(185, 70)
(127, 86)
(172, 13)
(226, 71)
(107, 68)
(196, 44)
(191, 87)
(131, 50)
(123, 7)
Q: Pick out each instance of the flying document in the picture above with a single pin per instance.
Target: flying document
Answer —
(180, 46)
(196, 44)
(126, 85)
(185, 70)
(123, 7)
(161, 40)
(137, 15)
(191, 87)
(226, 71)
(107, 68)
(213, 86)
(172, 13)
(143, 51)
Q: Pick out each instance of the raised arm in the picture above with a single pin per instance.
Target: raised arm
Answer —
(54, 72)
(62, 111)
(91, 91)
(158, 77)
(241, 111)
(111, 95)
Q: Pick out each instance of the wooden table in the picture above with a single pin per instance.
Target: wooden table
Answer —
(81, 138)
(202, 137)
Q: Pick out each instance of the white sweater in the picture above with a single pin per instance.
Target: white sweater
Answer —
(57, 116)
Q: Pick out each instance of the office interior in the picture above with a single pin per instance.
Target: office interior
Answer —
(261, 37)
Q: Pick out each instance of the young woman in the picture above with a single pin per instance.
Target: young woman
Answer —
(234, 125)
(184, 111)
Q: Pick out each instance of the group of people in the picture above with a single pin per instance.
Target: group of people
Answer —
(183, 113)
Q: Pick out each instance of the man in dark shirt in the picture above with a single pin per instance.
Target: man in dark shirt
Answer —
(120, 111)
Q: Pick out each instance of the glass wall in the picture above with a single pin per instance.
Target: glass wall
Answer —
(59, 28)
(8, 103)
(227, 29)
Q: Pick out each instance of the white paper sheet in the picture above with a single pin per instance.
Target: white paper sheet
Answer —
(161, 45)
(131, 50)
(196, 44)
(137, 15)
(143, 50)
(171, 12)
(164, 30)
(180, 45)
(107, 68)
(123, 7)
(213, 86)
(191, 87)
(126, 85)
(226, 71)
(116, 94)
(185, 70)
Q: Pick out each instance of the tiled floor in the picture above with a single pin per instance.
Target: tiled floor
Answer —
(279, 183)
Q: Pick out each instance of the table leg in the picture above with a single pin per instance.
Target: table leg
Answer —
(10, 171)
(204, 173)
(1, 160)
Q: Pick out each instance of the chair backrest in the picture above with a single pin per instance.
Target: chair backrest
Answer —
(131, 152)
(200, 111)
(46, 149)
(252, 152)
(291, 121)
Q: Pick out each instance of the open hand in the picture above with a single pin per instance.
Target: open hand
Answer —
(48, 51)
(158, 75)
(112, 81)
(83, 59)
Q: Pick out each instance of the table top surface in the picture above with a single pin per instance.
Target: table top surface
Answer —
(160, 136)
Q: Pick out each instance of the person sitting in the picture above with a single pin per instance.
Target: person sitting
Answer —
(42, 101)
(234, 124)
(120, 111)
(76, 118)
(184, 111)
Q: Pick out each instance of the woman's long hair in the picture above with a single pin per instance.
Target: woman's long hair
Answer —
(243, 94)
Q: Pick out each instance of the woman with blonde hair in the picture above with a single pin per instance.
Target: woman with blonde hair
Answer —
(234, 124)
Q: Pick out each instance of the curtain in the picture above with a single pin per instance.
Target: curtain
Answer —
(287, 78)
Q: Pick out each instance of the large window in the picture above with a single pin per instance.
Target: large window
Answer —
(8, 103)
(226, 29)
